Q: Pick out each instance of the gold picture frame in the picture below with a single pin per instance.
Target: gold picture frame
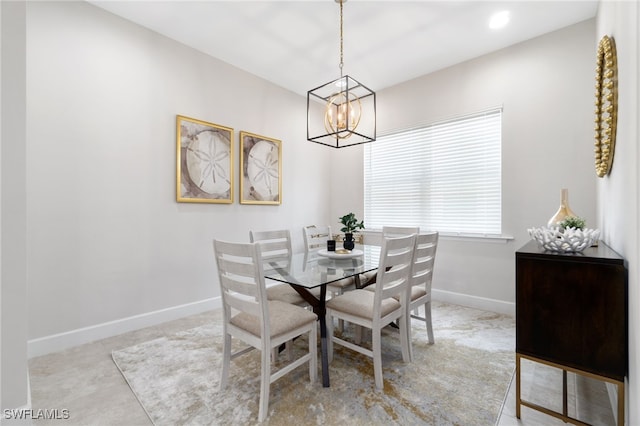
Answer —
(260, 169)
(204, 162)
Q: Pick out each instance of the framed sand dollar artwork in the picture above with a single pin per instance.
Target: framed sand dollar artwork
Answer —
(204, 162)
(260, 169)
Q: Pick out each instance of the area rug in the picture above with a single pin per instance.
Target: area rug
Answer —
(462, 379)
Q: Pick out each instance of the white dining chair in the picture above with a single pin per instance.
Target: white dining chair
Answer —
(376, 309)
(276, 245)
(315, 239)
(262, 324)
(421, 277)
(389, 231)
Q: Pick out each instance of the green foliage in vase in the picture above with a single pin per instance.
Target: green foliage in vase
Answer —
(573, 222)
(350, 223)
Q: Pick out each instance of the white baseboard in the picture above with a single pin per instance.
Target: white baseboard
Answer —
(483, 303)
(61, 341)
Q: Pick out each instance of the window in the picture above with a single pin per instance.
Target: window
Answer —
(445, 177)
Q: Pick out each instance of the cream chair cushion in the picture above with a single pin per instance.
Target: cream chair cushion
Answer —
(360, 304)
(286, 293)
(343, 283)
(417, 292)
(283, 318)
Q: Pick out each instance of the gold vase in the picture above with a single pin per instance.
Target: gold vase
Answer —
(563, 212)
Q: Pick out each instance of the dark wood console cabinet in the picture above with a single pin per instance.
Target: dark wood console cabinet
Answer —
(571, 313)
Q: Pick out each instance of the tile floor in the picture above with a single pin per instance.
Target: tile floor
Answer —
(85, 381)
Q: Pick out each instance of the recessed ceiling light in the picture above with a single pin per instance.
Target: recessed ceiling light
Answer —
(499, 20)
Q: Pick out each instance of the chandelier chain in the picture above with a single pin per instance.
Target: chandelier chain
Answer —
(341, 40)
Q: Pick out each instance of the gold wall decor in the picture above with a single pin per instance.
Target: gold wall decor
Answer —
(606, 105)
(204, 162)
(260, 169)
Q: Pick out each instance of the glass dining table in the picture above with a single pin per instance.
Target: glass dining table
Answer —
(317, 269)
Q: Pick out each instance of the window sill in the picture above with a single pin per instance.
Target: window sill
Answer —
(478, 238)
(451, 236)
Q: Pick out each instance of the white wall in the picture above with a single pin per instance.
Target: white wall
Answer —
(13, 260)
(546, 88)
(618, 192)
(106, 239)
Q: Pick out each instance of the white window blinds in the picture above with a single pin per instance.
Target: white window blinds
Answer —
(444, 176)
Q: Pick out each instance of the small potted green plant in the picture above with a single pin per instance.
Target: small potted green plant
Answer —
(350, 225)
(573, 222)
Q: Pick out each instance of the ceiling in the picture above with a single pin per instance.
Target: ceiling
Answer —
(295, 44)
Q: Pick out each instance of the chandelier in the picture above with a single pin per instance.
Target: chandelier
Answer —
(341, 112)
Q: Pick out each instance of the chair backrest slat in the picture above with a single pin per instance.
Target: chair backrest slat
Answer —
(394, 268)
(426, 246)
(241, 278)
(315, 238)
(244, 288)
(234, 267)
(243, 305)
(273, 244)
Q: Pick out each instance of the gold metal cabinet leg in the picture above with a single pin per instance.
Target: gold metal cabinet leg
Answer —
(518, 401)
(620, 403)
